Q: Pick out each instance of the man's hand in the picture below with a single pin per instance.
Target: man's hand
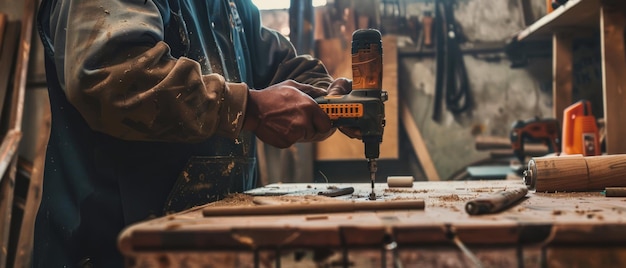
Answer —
(285, 113)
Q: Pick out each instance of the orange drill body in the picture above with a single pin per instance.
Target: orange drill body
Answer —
(363, 108)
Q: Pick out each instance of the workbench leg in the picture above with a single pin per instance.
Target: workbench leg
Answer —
(612, 25)
(257, 259)
(562, 79)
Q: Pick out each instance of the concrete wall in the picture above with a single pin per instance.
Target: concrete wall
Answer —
(501, 94)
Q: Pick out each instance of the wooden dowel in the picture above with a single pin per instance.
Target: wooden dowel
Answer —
(313, 208)
(615, 192)
(577, 173)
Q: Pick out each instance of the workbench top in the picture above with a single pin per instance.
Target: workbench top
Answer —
(539, 219)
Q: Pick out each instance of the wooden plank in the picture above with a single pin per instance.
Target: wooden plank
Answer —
(7, 186)
(10, 138)
(419, 146)
(338, 61)
(562, 79)
(7, 60)
(582, 14)
(23, 252)
(3, 24)
(613, 23)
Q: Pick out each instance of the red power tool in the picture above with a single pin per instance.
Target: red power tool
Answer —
(545, 130)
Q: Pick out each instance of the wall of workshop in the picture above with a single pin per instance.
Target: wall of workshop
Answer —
(501, 94)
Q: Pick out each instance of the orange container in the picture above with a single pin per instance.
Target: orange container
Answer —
(580, 131)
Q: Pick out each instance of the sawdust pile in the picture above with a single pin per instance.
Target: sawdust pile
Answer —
(234, 200)
(452, 197)
(405, 191)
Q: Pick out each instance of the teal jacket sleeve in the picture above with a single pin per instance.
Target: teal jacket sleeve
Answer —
(116, 70)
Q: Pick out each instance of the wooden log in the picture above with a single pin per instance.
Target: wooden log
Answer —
(493, 142)
(577, 173)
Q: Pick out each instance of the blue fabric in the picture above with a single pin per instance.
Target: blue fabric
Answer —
(95, 184)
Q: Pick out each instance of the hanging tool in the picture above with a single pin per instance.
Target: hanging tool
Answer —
(363, 108)
(580, 131)
(545, 130)
(451, 80)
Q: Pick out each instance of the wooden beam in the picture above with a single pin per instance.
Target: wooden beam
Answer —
(562, 62)
(612, 25)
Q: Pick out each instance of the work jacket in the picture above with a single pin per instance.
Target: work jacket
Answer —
(138, 90)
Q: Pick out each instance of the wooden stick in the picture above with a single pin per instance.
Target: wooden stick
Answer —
(419, 146)
(313, 208)
(615, 191)
(577, 173)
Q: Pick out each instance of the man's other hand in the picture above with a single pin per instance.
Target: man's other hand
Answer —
(285, 113)
(343, 86)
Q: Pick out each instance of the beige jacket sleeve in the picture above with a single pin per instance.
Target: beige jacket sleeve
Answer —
(119, 74)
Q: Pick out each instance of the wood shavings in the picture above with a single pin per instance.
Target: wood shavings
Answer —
(403, 198)
(452, 197)
(236, 199)
(173, 226)
(314, 218)
(405, 191)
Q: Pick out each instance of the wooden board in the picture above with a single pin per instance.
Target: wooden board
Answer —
(335, 54)
(580, 15)
(562, 79)
(547, 219)
(419, 146)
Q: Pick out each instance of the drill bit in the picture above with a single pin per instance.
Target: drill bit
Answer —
(372, 168)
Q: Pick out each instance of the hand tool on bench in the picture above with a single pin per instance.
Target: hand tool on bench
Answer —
(363, 107)
(495, 202)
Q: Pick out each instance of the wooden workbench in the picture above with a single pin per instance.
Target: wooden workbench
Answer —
(553, 229)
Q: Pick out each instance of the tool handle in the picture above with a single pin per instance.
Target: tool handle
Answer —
(495, 202)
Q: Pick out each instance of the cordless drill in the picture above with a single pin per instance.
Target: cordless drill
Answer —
(363, 107)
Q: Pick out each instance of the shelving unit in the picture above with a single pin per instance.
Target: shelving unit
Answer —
(580, 17)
